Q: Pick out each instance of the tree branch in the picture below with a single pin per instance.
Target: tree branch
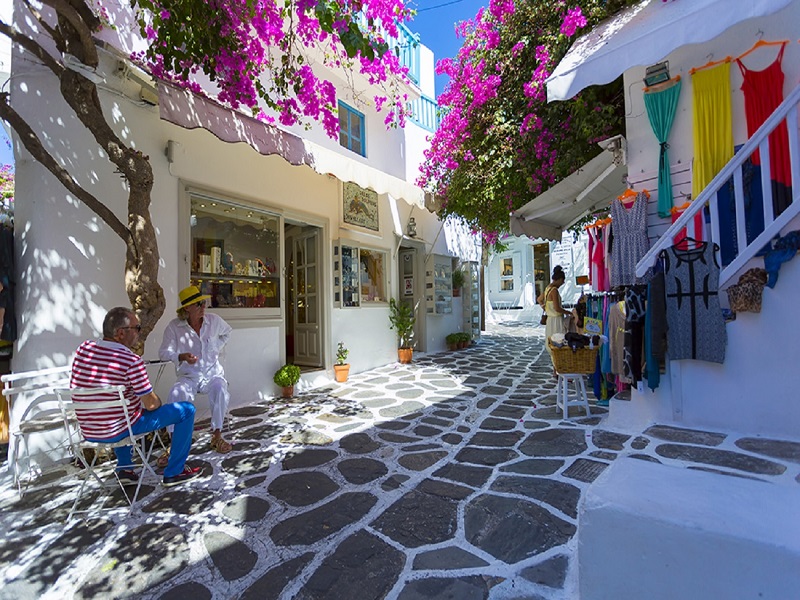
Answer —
(33, 145)
(41, 20)
(81, 27)
(32, 47)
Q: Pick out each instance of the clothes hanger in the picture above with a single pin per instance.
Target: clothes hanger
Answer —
(681, 208)
(708, 65)
(761, 43)
(660, 87)
(627, 196)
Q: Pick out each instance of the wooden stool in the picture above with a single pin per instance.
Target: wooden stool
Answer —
(565, 399)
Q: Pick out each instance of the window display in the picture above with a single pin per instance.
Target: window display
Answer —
(235, 254)
(361, 272)
(439, 285)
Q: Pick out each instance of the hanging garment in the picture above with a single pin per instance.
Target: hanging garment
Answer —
(629, 226)
(661, 107)
(763, 92)
(782, 250)
(616, 339)
(713, 129)
(597, 261)
(694, 229)
(635, 298)
(591, 235)
(694, 317)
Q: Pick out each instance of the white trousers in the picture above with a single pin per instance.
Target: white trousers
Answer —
(186, 388)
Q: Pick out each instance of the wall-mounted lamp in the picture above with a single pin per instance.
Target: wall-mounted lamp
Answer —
(169, 151)
(658, 73)
(411, 227)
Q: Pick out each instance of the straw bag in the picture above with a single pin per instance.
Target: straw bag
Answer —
(745, 295)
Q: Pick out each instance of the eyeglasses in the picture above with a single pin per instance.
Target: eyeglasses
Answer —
(136, 327)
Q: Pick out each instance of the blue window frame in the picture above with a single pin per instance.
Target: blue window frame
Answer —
(351, 129)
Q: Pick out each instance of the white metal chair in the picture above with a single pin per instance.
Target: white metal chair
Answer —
(84, 403)
(42, 416)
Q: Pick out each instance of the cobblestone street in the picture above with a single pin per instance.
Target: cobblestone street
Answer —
(452, 477)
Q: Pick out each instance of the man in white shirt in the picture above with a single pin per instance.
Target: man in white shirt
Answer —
(193, 342)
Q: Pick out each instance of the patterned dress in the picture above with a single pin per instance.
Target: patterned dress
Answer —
(630, 244)
(696, 327)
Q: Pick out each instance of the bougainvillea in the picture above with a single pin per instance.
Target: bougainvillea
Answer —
(260, 50)
(500, 143)
(7, 186)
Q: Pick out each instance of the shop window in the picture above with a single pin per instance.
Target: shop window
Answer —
(351, 129)
(506, 274)
(235, 254)
(361, 273)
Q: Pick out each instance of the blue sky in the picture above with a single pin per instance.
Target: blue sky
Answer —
(6, 155)
(435, 23)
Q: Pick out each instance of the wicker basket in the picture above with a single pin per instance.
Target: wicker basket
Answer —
(567, 360)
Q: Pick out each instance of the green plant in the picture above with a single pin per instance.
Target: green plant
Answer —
(458, 279)
(341, 354)
(401, 319)
(464, 337)
(452, 338)
(287, 376)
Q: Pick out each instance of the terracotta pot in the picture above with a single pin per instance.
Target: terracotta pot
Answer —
(340, 372)
(463, 345)
(404, 355)
(452, 346)
(288, 391)
(456, 292)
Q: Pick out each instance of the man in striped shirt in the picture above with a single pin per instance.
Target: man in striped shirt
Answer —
(110, 362)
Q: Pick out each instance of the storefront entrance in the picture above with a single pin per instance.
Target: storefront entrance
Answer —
(303, 302)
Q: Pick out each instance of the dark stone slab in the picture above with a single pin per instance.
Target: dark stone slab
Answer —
(447, 414)
(43, 572)
(534, 466)
(420, 447)
(393, 425)
(495, 390)
(248, 411)
(585, 470)
(511, 529)
(248, 464)
(363, 567)
(361, 470)
(467, 587)
(421, 460)
(452, 438)
(551, 572)
(445, 559)
(473, 380)
(394, 482)
(246, 509)
(720, 458)
(140, 560)
(270, 585)
(495, 424)
(445, 490)
(359, 443)
(536, 424)
(473, 476)
(609, 440)
(244, 424)
(302, 488)
(685, 436)
(426, 431)
(481, 456)
(182, 501)
(463, 429)
(397, 438)
(602, 455)
(557, 494)
(505, 439)
(191, 590)
(418, 519)
(260, 432)
(639, 442)
(232, 558)
(484, 403)
(412, 416)
(252, 482)
(436, 421)
(318, 523)
(509, 412)
(306, 458)
(554, 442)
(781, 450)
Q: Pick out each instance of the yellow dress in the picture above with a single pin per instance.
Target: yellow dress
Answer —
(713, 125)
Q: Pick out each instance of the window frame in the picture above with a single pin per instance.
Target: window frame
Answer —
(339, 283)
(504, 278)
(349, 110)
(185, 241)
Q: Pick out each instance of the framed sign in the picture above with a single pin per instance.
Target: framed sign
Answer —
(408, 286)
(360, 207)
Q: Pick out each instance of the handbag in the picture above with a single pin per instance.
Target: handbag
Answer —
(745, 296)
(543, 320)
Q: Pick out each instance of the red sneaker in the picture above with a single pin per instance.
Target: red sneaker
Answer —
(187, 474)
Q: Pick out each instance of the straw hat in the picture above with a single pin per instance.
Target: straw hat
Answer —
(190, 295)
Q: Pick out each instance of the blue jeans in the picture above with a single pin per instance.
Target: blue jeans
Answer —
(179, 414)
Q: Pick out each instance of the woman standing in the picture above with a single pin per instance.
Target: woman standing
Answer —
(550, 301)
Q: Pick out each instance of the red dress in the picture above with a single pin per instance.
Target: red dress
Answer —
(763, 92)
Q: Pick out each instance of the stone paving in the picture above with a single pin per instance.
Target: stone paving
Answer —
(453, 477)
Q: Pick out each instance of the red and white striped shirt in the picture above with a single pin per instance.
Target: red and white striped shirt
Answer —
(102, 363)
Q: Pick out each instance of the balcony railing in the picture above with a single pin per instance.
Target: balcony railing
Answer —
(425, 113)
(406, 47)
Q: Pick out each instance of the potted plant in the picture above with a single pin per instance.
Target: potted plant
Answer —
(458, 281)
(401, 319)
(286, 377)
(341, 369)
(452, 340)
(464, 340)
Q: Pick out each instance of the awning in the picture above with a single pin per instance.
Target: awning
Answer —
(590, 188)
(185, 109)
(645, 34)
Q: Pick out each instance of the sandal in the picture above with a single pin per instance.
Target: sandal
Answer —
(163, 460)
(220, 445)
